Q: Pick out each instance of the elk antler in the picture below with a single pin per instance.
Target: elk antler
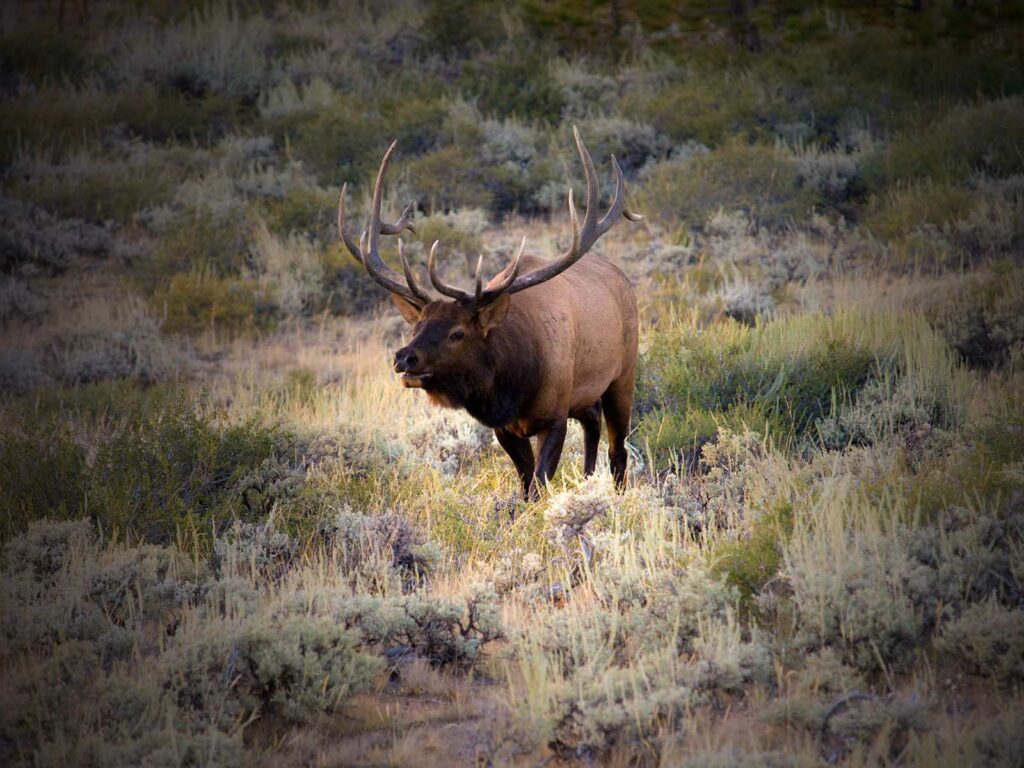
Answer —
(479, 298)
(583, 237)
(366, 250)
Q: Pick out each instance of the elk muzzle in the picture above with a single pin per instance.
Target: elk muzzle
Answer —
(409, 364)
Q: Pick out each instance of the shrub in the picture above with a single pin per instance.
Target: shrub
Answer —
(97, 189)
(376, 551)
(200, 241)
(292, 667)
(458, 26)
(289, 267)
(17, 301)
(44, 473)
(216, 49)
(175, 468)
(159, 114)
(33, 239)
(338, 143)
(874, 587)
(515, 82)
(712, 108)
(303, 210)
(457, 234)
(449, 178)
(971, 138)
(982, 318)
(910, 208)
(42, 56)
(753, 178)
(792, 368)
(194, 302)
(632, 143)
(990, 639)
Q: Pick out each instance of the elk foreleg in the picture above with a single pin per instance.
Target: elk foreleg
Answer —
(551, 440)
(521, 452)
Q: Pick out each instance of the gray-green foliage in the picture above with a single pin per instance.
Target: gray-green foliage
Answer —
(880, 600)
(141, 654)
(989, 637)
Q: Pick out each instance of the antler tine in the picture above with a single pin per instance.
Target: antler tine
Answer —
(350, 244)
(593, 193)
(402, 223)
(586, 234)
(617, 207)
(409, 277)
(513, 273)
(479, 289)
(442, 287)
(366, 250)
(378, 195)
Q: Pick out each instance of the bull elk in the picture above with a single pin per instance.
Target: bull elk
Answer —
(541, 343)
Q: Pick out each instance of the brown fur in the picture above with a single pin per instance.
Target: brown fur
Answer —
(565, 348)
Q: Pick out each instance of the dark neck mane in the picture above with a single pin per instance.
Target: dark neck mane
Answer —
(500, 398)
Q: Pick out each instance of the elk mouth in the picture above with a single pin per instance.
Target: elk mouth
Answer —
(414, 380)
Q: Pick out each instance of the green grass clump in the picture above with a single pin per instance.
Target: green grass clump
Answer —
(785, 375)
(96, 192)
(173, 470)
(167, 468)
(160, 115)
(749, 562)
(216, 245)
(670, 434)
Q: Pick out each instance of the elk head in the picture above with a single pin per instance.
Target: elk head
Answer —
(450, 353)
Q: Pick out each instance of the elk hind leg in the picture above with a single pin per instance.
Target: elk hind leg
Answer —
(590, 419)
(617, 403)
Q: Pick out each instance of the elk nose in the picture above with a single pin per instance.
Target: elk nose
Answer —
(405, 360)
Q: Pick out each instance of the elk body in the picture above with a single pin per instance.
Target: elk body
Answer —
(541, 343)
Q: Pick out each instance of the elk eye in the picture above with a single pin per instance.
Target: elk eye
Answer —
(457, 336)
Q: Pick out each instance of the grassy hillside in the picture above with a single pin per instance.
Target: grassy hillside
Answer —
(228, 536)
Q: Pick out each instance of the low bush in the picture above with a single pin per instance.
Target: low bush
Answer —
(338, 143)
(45, 473)
(989, 637)
(910, 208)
(712, 108)
(874, 587)
(34, 240)
(514, 82)
(194, 302)
(97, 189)
(198, 241)
(449, 178)
(982, 317)
(303, 210)
(761, 181)
(968, 139)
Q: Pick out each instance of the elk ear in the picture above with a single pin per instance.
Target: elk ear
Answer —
(410, 312)
(493, 314)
